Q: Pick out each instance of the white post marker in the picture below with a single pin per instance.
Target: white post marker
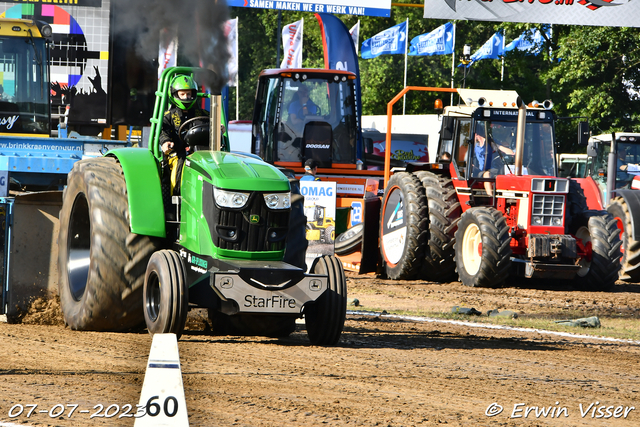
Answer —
(162, 395)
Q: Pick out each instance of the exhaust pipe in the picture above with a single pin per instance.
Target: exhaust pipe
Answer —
(522, 122)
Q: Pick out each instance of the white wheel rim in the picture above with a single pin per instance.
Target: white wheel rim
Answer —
(583, 233)
(472, 249)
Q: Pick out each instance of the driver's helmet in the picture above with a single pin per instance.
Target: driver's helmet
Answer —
(182, 82)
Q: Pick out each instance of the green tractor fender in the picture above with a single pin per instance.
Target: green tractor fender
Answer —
(142, 176)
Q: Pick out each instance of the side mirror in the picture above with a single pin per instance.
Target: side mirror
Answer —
(583, 133)
(592, 148)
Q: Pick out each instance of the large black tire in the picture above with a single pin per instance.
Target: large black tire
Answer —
(483, 251)
(577, 203)
(102, 264)
(444, 214)
(166, 295)
(630, 261)
(404, 223)
(601, 231)
(325, 318)
(350, 240)
(296, 243)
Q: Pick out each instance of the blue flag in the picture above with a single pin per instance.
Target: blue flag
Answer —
(531, 41)
(491, 49)
(437, 42)
(391, 41)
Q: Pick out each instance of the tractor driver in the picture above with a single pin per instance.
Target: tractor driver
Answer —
(182, 95)
(482, 161)
(623, 168)
(496, 153)
(300, 108)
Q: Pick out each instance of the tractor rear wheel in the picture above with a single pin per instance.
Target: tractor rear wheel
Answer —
(102, 264)
(483, 251)
(166, 295)
(630, 261)
(444, 214)
(325, 317)
(404, 226)
(600, 233)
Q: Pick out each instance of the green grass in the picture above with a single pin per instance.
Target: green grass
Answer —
(611, 326)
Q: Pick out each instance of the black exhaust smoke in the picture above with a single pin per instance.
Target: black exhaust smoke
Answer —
(199, 25)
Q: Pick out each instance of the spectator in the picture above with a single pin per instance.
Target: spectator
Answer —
(310, 171)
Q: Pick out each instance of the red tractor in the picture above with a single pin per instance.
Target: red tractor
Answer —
(493, 204)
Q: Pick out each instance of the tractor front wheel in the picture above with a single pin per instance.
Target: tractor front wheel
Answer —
(166, 295)
(630, 261)
(102, 264)
(600, 236)
(483, 251)
(325, 317)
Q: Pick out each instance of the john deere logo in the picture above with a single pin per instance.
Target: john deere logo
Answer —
(254, 219)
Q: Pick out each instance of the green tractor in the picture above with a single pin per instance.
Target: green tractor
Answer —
(232, 242)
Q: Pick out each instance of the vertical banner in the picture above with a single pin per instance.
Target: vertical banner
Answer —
(168, 52)
(292, 45)
(355, 36)
(320, 210)
(231, 31)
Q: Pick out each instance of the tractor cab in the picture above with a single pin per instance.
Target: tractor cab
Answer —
(305, 114)
(626, 157)
(24, 93)
(481, 136)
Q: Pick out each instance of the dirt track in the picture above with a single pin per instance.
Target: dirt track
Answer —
(384, 372)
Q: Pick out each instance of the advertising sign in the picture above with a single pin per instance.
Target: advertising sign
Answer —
(615, 13)
(320, 210)
(79, 55)
(348, 7)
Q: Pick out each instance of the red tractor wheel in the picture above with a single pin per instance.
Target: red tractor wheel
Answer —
(600, 236)
(483, 251)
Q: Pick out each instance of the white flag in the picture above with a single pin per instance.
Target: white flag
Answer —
(168, 51)
(292, 44)
(355, 35)
(231, 31)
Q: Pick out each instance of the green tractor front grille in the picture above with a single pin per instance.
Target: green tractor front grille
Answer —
(254, 228)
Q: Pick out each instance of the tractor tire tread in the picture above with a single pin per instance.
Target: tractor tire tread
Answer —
(112, 300)
(444, 213)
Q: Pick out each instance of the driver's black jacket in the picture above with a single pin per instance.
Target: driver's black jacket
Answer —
(173, 118)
